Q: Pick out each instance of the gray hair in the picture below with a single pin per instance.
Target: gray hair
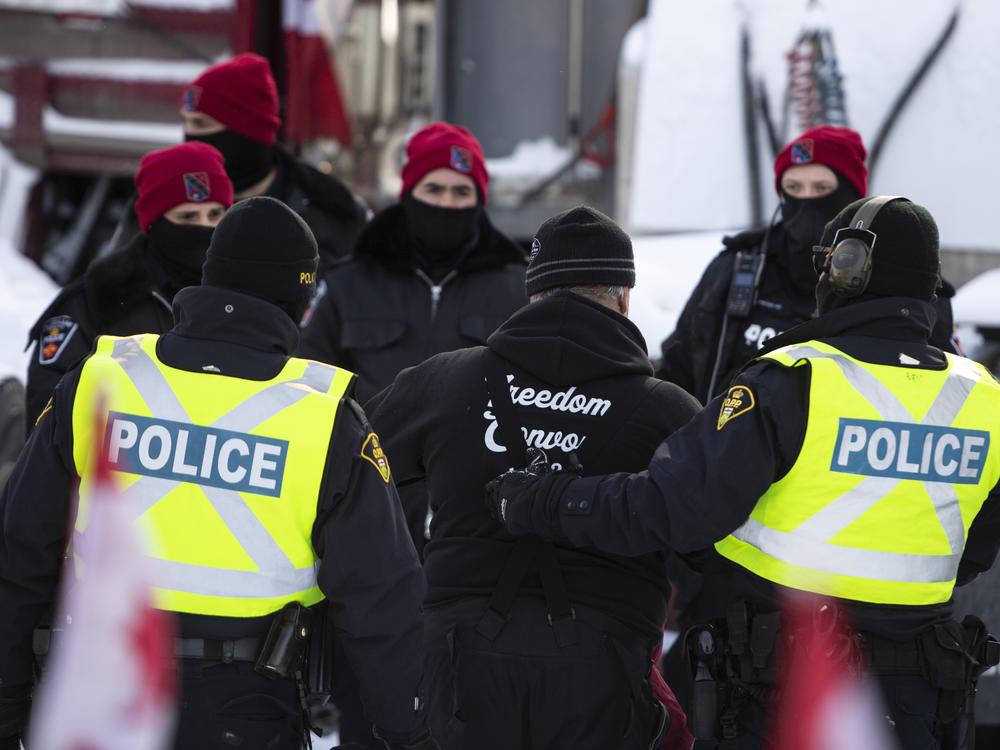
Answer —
(597, 292)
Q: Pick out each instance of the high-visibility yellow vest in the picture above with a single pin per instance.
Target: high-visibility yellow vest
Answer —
(223, 474)
(895, 464)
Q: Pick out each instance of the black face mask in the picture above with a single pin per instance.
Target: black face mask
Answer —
(179, 249)
(247, 161)
(441, 233)
(803, 220)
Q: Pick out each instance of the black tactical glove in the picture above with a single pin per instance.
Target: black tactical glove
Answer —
(526, 501)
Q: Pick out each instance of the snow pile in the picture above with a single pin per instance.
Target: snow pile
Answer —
(667, 269)
(531, 159)
(25, 290)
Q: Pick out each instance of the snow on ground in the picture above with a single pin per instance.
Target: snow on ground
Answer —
(25, 290)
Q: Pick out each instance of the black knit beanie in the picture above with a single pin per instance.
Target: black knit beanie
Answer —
(906, 260)
(263, 248)
(579, 247)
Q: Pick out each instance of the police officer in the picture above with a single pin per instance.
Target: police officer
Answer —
(762, 282)
(183, 192)
(233, 106)
(850, 458)
(531, 644)
(292, 499)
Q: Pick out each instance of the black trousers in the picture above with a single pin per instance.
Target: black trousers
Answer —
(227, 706)
(524, 690)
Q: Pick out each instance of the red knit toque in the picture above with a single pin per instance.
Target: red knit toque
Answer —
(442, 144)
(839, 149)
(191, 172)
(241, 94)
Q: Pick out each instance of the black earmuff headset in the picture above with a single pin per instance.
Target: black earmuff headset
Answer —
(848, 261)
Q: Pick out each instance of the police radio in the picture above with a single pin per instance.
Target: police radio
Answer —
(848, 261)
(747, 269)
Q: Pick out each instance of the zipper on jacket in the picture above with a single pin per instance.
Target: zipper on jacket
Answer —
(163, 301)
(435, 289)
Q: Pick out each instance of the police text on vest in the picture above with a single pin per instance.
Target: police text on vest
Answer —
(926, 453)
(186, 452)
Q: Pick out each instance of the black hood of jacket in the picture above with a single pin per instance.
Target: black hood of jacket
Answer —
(386, 242)
(122, 279)
(325, 191)
(546, 338)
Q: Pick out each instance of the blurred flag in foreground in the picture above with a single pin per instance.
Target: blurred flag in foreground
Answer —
(827, 701)
(108, 683)
(314, 107)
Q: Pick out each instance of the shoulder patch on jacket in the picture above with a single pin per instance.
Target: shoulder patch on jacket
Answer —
(54, 335)
(372, 451)
(738, 400)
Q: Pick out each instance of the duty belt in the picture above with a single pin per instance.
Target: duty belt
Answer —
(211, 649)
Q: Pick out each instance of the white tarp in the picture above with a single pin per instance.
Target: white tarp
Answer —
(689, 157)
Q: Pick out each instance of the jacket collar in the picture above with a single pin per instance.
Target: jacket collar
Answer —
(385, 242)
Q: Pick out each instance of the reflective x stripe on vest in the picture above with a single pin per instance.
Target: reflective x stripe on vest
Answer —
(894, 466)
(224, 472)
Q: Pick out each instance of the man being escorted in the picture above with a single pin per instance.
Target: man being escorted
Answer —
(531, 644)
(273, 496)
(851, 459)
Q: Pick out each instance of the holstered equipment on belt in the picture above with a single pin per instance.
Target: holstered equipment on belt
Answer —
(733, 659)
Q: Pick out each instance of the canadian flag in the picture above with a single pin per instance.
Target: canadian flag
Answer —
(314, 107)
(109, 683)
(826, 700)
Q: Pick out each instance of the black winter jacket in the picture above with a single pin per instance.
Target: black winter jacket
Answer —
(689, 354)
(380, 313)
(119, 295)
(581, 382)
(705, 480)
(369, 570)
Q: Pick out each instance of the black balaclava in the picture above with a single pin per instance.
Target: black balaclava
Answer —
(179, 249)
(440, 234)
(247, 161)
(803, 220)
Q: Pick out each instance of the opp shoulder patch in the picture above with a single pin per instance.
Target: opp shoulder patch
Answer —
(738, 400)
(55, 334)
(372, 451)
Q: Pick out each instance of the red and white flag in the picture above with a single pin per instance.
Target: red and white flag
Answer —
(314, 107)
(826, 700)
(109, 683)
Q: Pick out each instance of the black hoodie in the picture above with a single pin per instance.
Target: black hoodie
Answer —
(581, 381)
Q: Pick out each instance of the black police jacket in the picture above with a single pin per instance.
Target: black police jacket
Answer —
(369, 570)
(582, 384)
(690, 353)
(119, 295)
(334, 214)
(706, 479)
(380, 313)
